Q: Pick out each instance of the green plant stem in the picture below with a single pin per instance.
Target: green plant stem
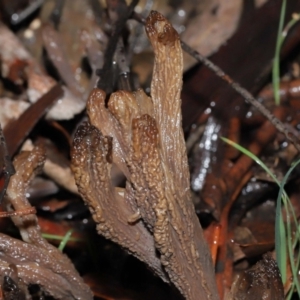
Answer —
(276, 62)
(290, 243)
(280, 232)
(283, 236)
(65, 240)
(59, 237)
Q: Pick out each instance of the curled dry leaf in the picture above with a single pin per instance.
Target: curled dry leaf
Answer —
(144, 138)
(37, 261)
(94, 53)
(205, 25)
(11, 110)
(18, 130)
(61, 175)
(54, 47)
(212, 26)
(12, 53)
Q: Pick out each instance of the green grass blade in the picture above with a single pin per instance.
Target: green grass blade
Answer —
(280, 235)
(283, 239)
(289, 25)
(280, 232)
(59, 237)
(65, 240)
(252, 156)
(276, 62)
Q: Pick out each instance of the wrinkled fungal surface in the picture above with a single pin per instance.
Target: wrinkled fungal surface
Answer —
(36, 261)
(91, 164)
(153, 217)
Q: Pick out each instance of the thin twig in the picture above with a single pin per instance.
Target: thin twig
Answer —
(98, 11)
(6, 167)
(56, 14)
(16, 131)
(245, 94)
(290, 135)
(105, 74)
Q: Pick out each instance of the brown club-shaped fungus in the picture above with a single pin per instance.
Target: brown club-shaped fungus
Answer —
(153, 217)
(34, 260)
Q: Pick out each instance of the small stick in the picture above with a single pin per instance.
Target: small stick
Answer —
(23, 212)
(16, 131)
(224, 276)
(56, 14)
(291, 136)
(19, 17)
(244, 93)
(105, 74)
(6, 167)
(98, 11)
(214, 246)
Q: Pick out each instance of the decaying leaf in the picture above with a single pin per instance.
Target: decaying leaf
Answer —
(13, 54)
(11, 109)
(262, 281)
(18, 130)
(37, 261)
(52, 43)
(212, 26)
(259, 3)
(206, 25)
(6, 166)
(144, 138)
